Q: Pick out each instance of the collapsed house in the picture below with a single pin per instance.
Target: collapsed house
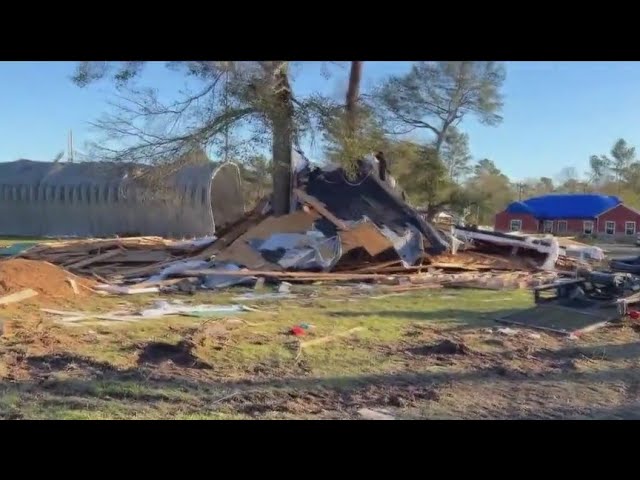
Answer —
(339, 227)
(99, 199)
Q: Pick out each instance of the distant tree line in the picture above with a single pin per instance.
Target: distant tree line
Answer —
(240, 109)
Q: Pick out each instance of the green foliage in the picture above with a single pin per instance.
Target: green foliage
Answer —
(622, 156)
(347, 142)
(489, 191)
(455, 154)
(425, 179)
(437, 95)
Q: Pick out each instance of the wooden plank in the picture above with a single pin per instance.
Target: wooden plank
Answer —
(62, 312)
(126, 290)
(98, 277)
(18, 296)
(141, 256)
(318, 341)
(95, 259)
(591, 328)
(320, 208)
(278, 274)
(161, 283)
(462, 266)
(535, 327)
(366, 235)
(229, 237)
(412, 287)
(74, 286)
(376, 267)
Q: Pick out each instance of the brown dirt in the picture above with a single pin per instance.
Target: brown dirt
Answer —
(180, 354)
(446, 347)
(324, 401)
(48, 280)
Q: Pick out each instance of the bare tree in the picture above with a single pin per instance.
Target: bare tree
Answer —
(437, 95)
(255, 97)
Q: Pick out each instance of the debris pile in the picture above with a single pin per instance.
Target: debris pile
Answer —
(340, 229)
(137, 256)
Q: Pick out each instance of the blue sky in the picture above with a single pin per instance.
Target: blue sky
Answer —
(556, 114)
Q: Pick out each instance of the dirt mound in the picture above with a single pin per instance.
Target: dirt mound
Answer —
(46, 279)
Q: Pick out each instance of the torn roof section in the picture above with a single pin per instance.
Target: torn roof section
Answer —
(365, 196)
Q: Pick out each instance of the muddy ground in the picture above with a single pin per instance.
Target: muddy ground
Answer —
(425, 355)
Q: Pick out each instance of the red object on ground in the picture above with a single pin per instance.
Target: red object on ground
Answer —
(634, 314)
(297, 331)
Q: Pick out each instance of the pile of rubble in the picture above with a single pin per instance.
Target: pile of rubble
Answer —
(339, 229)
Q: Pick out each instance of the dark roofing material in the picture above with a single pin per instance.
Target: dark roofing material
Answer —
(565, 205)
(367, 196)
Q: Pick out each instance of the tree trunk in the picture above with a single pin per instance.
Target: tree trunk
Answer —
(282, 120)
(353, 93)
(440, 141)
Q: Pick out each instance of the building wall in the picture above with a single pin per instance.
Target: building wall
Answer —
(531, 225)
(620, 215)
(77, 205)
(574, 226)
(503, 222)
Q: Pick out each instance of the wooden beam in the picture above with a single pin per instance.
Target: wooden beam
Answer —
(95, 259)
(278, 274)
(18, 296)
(318, 341)
(320, 208)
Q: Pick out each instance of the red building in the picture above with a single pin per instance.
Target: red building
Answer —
(571, 214)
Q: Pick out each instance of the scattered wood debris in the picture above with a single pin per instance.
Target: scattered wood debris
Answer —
(367, 250)
(18, 296)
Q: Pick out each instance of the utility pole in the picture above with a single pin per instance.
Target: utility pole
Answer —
(70, 147)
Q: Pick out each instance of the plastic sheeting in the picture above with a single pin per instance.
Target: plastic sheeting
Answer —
(308, 251)
(163, 308)
(179, 267)
(408, 246)
(222, 281)
(588, 251)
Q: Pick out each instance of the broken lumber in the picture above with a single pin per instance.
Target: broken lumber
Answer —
(320, 208)
(94, 259)
(74, 285)
(278, 274)
(318, 341)
(18, 296)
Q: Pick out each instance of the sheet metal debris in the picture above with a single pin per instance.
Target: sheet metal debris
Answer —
(163, 308)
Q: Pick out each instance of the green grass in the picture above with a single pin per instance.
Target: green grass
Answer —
(103, 378)
(4, 241)
(257, 369)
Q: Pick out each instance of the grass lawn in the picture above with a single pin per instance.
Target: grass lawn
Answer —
(250, 366)
(6, 241)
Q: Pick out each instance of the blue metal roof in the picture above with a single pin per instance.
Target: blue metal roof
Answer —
(571, 205)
